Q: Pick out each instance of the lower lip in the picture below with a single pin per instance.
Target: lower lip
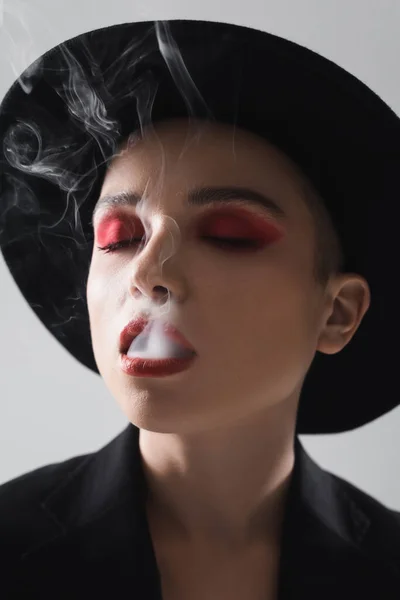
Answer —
(140, 367)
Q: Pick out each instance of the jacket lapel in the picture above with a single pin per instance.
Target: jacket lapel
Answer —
(98, 543)
(96, 538)
(325, 541)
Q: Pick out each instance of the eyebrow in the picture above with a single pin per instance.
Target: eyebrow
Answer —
(200, 196)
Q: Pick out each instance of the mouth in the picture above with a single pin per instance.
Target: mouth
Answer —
(135, 327)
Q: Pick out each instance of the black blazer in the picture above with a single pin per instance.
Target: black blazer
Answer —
(78, 530)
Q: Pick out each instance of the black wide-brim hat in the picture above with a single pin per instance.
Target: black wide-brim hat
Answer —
(61, 122)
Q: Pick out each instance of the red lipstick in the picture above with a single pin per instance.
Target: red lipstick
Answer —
(129, 332)
(143, 367)
(136, 326)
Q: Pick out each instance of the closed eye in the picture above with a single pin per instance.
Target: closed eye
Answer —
(224, 242)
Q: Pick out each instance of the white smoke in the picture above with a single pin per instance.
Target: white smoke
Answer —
(37, 148)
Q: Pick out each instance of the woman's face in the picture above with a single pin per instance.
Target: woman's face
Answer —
(253, 312)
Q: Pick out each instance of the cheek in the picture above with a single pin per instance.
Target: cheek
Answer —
(102, 311)
(257, 301)
(100, 285)
(93, 296)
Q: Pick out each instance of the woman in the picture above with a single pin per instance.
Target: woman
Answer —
(191, 209)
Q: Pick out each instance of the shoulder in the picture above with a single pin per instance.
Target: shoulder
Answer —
(22, 519)
(383, 532)
(372, 506)
(39, 481)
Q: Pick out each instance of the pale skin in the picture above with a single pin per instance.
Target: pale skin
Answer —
(218, 444)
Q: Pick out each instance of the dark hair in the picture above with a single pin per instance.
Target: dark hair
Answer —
(329, 255)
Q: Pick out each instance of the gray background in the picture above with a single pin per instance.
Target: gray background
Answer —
(53, 408)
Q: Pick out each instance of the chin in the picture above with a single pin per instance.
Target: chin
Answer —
(159, 412)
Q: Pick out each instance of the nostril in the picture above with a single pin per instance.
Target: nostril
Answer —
(162, 292)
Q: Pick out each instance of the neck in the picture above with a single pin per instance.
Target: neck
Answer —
(226, 486)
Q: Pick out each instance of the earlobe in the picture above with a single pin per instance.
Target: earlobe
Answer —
(351, 300)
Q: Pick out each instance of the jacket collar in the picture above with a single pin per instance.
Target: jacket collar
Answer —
(100, 509)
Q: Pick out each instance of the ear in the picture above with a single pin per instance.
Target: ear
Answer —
(349, 298)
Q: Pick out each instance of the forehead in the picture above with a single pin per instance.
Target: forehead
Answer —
(178, 155)
(196, 143)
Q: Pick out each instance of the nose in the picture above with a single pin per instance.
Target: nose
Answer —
(158, 293)
(157, 270)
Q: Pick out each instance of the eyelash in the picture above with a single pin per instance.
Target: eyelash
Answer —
(231, 243)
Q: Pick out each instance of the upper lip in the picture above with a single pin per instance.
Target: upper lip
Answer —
(136, 326)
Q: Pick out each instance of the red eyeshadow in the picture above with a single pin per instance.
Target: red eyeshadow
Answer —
(234, 222)
(238, 222)
(113, 229)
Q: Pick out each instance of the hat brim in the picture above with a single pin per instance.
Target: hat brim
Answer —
(342, 135)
